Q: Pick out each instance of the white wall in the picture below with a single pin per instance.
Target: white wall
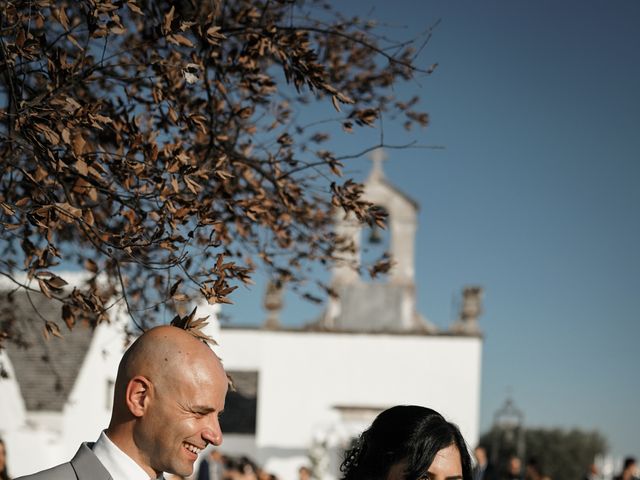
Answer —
(56, 436)
(303, 375)
(88, 409)
(12, 408)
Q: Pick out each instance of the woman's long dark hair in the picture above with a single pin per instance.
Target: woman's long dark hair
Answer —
(406, 433)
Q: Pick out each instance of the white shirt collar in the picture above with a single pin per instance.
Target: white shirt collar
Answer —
(119, 465)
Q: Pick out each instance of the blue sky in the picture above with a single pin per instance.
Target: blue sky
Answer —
(535, 197)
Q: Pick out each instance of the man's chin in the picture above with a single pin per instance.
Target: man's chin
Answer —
(185, 470)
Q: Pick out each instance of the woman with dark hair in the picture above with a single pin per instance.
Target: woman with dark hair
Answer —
(408, 442)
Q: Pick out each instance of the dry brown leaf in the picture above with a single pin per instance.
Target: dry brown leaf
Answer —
(66, 136)
(69, 212)
(55, 282)
(44, 288)
(78, 144)
(174, 287)
(8, 209)
(51, 328)
(180, 39)
(62, 17)
(90, 265)
(336, 105)
(134, 8)
(173, 115)
(87, 216)
(81, 167)
(68, 317)
(168, 18)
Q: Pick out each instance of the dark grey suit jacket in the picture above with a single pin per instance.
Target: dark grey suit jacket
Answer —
(83, 466)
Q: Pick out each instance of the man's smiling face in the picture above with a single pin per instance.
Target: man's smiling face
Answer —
(183, 416)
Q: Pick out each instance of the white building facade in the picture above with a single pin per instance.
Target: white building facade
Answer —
(326, 387)
(40, 435)
(317, 388)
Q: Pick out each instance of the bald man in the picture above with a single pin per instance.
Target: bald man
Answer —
(169, 392)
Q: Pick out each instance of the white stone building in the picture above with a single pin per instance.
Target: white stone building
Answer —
(59, 391)
(300, 392)
(370, 350)
(328, 386)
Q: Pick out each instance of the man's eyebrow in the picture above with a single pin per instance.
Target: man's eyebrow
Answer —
(202, 409)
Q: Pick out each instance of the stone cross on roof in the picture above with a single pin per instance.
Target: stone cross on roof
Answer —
(377, 156)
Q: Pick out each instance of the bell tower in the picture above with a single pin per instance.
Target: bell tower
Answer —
(388, 305)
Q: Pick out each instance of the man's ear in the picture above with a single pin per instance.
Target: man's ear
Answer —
(137, 395)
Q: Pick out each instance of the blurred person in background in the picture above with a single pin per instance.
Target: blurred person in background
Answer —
(408, 442)
(264, 475)
(483, 470)
(4, 474)
(304, 473)
(248, 469)
(592, 473)
(514, 468)
(629, 470)
(532, 470)
(242, 468)
(211, 468)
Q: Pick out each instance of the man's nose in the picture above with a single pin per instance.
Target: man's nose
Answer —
(213, 433)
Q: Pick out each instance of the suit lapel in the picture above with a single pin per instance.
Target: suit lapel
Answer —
(87, 466)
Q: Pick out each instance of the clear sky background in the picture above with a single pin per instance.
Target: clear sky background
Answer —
(536, 197)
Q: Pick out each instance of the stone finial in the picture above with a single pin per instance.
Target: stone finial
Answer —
(273, 303)
(377, 157)
(471, 304)
(467, 323)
